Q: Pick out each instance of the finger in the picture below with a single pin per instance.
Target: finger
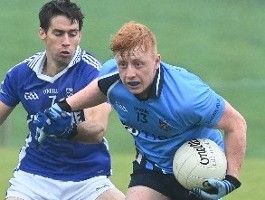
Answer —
(52, 114)
(40, 120)
(204, 195)
(193, 194)
(39, 116)
(65, 114)
(48, 121)
(41, 135)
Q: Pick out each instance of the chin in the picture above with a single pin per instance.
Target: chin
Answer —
(139, 94)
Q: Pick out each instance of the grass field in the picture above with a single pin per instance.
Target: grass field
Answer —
(122, 167)
(221, 41)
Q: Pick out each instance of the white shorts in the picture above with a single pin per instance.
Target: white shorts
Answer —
(33, 187)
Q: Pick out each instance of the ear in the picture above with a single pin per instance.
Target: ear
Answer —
(80, 36)
(157, 60)
(42, 33)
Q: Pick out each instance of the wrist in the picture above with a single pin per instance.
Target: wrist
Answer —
(236, 183)
(73, 132)
(64, 105)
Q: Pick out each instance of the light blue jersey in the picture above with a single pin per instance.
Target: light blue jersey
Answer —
(57, 159)
(180, 107)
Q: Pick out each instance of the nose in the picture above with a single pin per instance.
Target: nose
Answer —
(66, 40)
(130, 71)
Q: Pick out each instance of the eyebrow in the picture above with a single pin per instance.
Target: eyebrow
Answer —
(60, 30)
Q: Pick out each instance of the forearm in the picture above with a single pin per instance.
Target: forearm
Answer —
(235, 149)
(89, 133)
(234, 127)
(88, 97)
(4, 112)
(95, 125)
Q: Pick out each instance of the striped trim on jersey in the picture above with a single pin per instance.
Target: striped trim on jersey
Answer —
(34, 59)
(89, 59)
(80, 54)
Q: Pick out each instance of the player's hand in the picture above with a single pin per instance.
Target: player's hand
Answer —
(55, 122)
(222, 188)
(40, 135)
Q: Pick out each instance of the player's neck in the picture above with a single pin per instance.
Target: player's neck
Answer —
(52, 68)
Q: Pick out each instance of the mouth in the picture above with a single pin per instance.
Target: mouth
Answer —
(133, 83)
(65, 53)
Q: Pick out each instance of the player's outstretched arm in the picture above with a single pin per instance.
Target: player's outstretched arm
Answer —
(88, 97)
(93, 129)
(56, 121)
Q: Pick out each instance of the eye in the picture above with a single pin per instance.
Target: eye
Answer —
(58, 33)
(138, 64)
(73, 33)
(122, 65)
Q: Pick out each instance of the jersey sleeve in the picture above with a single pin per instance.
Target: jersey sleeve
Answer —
(205, 107)
(209, 107)
(108, 75)
(9, 88)
(91, 67)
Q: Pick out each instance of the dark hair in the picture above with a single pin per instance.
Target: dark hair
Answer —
(60, 7)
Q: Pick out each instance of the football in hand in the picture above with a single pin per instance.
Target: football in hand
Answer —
(196, 161)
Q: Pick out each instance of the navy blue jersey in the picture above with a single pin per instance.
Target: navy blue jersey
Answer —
(55, 158)
(180, 106)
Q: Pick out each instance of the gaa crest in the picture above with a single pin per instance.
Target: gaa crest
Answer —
(69, 92)
(164, 125)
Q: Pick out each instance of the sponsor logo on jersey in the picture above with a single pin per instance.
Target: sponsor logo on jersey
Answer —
(31, 96)
(102, 186)
(146, 134)
(216, 110)
(122, 107)
(50, 91)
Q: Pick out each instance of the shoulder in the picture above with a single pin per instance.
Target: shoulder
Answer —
(109, 67)
(181, 76)
(187, 85)
(90, 60)
(25, 67)
(108, 75)
(110, 62)
(176, 70)
(84, 67)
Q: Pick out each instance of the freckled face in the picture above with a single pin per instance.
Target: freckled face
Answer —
(137, 70)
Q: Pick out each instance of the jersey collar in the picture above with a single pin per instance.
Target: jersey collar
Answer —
(36, 63)
(156, 87)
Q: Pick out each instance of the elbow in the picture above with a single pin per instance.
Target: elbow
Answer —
(98, 137)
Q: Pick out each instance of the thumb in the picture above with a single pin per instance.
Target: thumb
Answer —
(214, 183)
(65, 114)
